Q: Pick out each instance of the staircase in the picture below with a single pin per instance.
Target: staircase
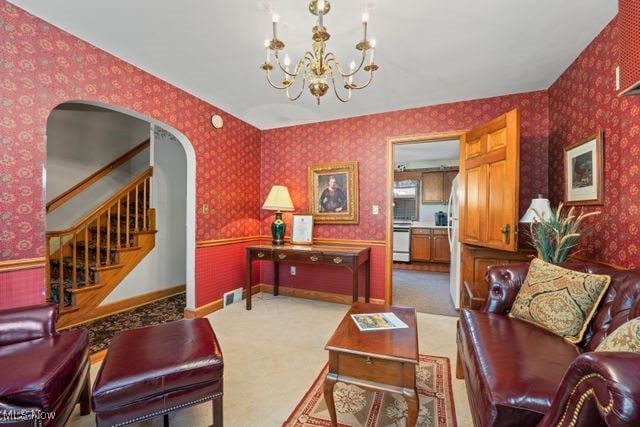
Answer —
(88, 260)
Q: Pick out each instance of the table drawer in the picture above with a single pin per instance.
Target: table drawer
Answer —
(310, 257)
(260, 255)
(370, 369)
(339, 259)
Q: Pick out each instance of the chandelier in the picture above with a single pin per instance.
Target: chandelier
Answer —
(317, 66)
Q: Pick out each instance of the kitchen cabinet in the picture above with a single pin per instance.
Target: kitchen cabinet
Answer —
(421, 244)
(436, 186)
(430, 245)
(440, 245)
(407, 175)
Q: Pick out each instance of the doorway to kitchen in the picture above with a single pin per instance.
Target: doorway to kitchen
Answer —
(425, 250)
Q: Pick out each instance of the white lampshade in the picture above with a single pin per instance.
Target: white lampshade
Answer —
(278, 199)
(540, 205)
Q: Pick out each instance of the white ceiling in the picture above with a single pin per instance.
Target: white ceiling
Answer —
(426, 151)
(429, 51)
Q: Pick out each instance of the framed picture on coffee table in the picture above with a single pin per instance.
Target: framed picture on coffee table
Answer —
(333, 192)
(583, 171)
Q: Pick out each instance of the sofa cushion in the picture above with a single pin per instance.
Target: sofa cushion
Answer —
(625, 338)
(47, 367)
(512, 368)
(558, 299)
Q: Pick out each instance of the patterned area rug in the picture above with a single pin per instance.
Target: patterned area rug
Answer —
(357, 407)
(102, 331)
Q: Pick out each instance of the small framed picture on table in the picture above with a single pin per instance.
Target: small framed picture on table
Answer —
(302, 229)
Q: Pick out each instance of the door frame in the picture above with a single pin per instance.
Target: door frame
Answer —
(391, 143)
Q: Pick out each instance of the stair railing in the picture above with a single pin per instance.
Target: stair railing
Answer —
(75, 254)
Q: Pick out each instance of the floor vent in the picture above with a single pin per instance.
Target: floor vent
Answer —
(232, 296)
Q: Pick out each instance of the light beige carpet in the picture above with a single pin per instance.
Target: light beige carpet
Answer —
(357, 407)
(275, 351)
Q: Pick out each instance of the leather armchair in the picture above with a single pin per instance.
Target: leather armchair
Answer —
(519, 374)
(44, 373)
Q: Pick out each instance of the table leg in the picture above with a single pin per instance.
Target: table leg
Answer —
(276, 278)
(329, 382)
(354, 283)
(411, 397)
(248, 285)
(367, 283)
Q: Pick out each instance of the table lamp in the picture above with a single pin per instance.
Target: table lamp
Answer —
(278, 200)
(539, 205)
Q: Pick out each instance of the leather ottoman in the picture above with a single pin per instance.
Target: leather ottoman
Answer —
(155, 370)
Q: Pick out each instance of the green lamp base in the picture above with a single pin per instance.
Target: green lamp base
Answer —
(278, 227)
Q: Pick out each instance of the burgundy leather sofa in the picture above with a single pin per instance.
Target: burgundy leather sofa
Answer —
(43, 373)
(518, 374)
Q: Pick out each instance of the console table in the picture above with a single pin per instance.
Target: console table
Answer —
(350, 257)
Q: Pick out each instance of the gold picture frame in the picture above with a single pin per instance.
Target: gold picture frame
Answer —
(333, 192)
(302, 229)
(583, 171)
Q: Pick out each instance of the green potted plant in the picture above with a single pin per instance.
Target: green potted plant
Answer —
(553, 236)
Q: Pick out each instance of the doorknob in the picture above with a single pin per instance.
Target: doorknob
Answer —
(506, 230)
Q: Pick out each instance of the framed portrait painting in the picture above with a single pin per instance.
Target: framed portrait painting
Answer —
(583, 171)
(333, 192)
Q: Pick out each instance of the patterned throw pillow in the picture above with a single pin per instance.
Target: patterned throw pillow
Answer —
(559, 300)
(625, 338)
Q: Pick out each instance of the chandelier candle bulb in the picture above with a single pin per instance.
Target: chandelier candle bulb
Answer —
(266, 49)
(373, 50)
(275, 26)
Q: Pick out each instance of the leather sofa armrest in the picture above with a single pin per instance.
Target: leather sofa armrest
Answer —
(27, 323)
(604, 384)
(504, 282)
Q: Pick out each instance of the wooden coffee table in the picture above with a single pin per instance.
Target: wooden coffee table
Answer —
(375, 360)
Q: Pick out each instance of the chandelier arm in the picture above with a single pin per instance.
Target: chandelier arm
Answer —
(293, 74)
(330, 57)
(295, 98)
(367, 82)
(335, 90)
(273, 85)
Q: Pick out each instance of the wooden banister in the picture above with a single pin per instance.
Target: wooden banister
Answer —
(123, 192)
(96, 176)
(74, 270)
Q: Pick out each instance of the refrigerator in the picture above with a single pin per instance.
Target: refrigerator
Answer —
(455, 269)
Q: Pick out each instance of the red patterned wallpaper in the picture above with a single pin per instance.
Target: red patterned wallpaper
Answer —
(288, 151)
(42, 66)
(21, 287)
(582, 100)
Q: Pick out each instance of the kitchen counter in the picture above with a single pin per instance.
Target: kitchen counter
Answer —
(418, 224)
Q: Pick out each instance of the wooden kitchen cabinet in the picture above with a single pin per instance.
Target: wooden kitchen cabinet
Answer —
(440, 245)
(430, 245)
(436, 185)
(421, 244)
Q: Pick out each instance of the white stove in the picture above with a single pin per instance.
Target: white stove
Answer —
(401, 241)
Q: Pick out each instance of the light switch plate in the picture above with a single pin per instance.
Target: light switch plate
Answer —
(375, 209)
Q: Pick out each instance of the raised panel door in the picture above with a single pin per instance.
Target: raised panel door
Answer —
(447, 182)
(489, 166)
(421, 247)
(441, 251)
(432, 183)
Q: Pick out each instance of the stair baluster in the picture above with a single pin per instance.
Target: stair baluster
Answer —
(89, 247)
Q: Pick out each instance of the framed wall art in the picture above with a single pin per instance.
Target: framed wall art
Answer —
(583, 171)
(333, 192)
(302, 229)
